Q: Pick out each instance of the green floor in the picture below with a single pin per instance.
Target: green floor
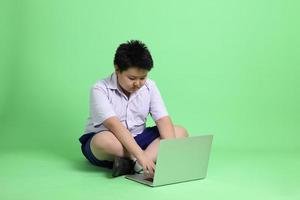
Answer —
(34, 174)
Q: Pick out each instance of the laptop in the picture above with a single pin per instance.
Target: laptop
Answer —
(179, 160)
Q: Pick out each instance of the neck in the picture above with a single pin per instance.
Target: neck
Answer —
(124, 91)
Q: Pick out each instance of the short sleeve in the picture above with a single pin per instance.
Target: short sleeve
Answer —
(100, 107)
(157, 106)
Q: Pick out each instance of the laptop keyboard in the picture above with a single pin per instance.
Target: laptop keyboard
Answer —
(149, 179)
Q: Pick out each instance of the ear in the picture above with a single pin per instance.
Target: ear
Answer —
(117, 69)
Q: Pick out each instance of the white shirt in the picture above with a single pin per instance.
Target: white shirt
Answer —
(107, 100)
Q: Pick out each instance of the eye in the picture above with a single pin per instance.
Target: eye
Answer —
(132, 78)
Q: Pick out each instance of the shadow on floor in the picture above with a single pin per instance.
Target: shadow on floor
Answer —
(81, 164)
(77, 161)
(85, 166)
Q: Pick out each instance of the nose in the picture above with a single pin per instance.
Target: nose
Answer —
(137, 84)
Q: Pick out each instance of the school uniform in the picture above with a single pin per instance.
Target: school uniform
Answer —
(108, 100)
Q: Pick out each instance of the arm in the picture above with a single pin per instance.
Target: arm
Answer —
(159, 114)
(123, 135)
(165, 128)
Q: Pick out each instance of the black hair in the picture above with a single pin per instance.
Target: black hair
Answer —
(134, 53)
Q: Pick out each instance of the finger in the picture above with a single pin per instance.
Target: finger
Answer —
(146, 172)
(151, 172)
(153, 166)
(145, 169)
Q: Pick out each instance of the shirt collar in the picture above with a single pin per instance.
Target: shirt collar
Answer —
(113, 83)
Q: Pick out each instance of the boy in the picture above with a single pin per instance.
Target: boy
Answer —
(115, 135)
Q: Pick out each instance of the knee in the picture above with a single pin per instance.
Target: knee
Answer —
(106, 142)
(180, 132)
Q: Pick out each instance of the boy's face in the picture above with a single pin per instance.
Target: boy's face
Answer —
(131, 79)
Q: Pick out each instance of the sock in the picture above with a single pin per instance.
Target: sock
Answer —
(137, 167)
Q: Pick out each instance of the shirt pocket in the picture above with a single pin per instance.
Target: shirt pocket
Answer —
(119, 106)
(140, 112)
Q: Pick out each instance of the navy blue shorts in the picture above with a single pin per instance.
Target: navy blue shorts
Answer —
(143, 140)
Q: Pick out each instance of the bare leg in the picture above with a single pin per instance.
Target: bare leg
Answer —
(152, 149)
(105, 146)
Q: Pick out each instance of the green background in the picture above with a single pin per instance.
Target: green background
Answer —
(230, 68)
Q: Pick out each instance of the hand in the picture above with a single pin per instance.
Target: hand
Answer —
(147, 164)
